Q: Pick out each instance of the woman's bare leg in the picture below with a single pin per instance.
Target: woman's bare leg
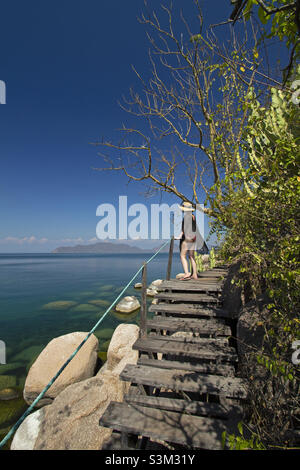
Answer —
(183, 253)
(194, 265)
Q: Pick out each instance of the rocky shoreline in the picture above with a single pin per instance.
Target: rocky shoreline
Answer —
(68, 416)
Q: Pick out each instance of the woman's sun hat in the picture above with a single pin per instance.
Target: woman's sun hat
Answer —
(186, 206)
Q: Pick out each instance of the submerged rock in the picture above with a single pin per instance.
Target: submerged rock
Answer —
(9, 394)
(128, 304)
(105, 333)
(11, 410)
(107, 287)
(125, 316)
(53, 356)
(29, 354)
(59, 305)
(7, 381)
(85, 308)
(100, 302)
(9, 367)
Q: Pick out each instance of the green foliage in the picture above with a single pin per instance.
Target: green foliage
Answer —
(279, 19)
(263, 233)
(199, 262)
(240, 442)
(212, 258)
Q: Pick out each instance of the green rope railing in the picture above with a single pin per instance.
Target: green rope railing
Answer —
(31, 407)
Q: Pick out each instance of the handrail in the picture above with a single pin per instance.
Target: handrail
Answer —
(30, 408)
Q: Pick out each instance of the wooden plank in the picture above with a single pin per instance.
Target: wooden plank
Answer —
(183, 406)
(203, 368)
(193, 431)
(189, 286)
(187, 381)
(202, 280)
(189, 310)
(201, 326)
(186, 297)
(185, 349)
(213, 273)
(202, 341)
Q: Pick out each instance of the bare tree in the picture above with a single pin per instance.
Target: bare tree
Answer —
(195, 108)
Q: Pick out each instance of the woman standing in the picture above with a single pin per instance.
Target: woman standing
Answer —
(187, 239)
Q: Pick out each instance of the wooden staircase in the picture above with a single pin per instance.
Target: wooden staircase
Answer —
(184, 390)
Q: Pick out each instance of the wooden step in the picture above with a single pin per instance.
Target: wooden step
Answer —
(215, 273)
(199, 408)
(201, 326)
(202, 341)
(203, 280)
(162, 344)
(189, 310)
(187, 297)
(190, 285)
(204, 368)
(187, 381)
(192, 431)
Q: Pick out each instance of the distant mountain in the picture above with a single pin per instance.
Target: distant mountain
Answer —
(107, 248)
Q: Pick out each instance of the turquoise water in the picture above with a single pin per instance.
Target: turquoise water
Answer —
(43, 296)
(31, 285)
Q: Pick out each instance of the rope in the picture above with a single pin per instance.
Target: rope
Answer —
(30, 408)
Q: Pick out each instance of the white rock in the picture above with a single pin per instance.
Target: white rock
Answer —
(128, 304)
(120, 346)
(152, 288)
(138, 285)
(51, 359)
(27, 433)
(151, 292)
(156, 283)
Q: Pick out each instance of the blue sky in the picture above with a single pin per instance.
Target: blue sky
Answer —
(66, 64)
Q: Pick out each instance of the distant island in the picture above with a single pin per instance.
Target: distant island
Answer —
(107, 247)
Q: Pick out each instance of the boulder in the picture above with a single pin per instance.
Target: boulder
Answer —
(155, 283)
(72, 421)
(152, 288)
(50, 360)
(151, 292)
(138, 285)
(128, 304)
(27, 433)
(120, 347)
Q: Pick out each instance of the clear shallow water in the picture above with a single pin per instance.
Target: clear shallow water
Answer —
(28, 282)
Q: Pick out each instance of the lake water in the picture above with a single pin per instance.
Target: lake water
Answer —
(43, 296)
